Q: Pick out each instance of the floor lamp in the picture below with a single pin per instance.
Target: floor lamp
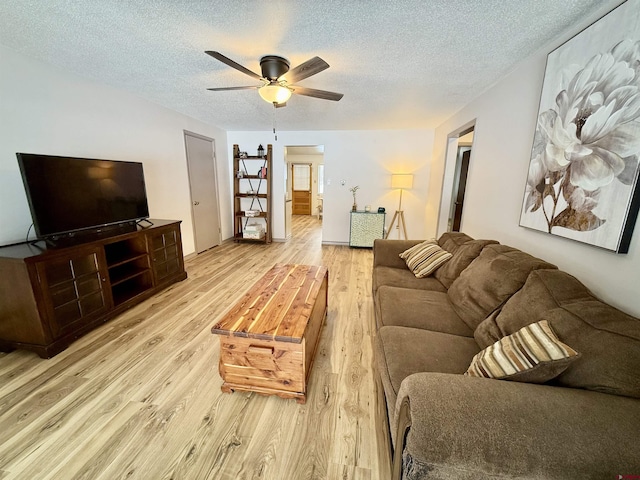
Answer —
(403, 181)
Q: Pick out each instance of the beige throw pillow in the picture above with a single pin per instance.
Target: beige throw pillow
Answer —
(533, 354)
(424, 258)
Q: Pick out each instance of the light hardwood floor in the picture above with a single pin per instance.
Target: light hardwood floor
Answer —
(139, 397)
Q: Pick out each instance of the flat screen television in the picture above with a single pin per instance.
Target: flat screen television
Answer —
(68, 195)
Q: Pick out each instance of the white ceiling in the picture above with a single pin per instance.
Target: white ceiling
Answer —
(399, 63)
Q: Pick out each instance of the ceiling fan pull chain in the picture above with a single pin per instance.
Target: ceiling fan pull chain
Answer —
(275, 135)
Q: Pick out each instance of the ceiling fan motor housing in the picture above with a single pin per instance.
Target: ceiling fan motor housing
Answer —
(273, 66)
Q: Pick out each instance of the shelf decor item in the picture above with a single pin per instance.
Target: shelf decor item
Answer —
(254, 231)
(260, 150)
(583, 171)
(353, 191)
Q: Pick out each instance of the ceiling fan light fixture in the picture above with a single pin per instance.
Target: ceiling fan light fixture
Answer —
(274, 93)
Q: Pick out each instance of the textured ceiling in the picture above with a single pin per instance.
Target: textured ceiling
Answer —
(399, 63)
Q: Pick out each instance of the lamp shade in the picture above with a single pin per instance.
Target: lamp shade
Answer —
(274, 93)
(402, 180)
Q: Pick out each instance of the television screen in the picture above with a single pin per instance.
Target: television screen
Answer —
(69, 194)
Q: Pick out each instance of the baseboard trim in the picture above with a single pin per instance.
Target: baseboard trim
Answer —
(344, 244)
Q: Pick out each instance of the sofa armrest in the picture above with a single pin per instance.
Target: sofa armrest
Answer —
(385, 252)
(453, 426)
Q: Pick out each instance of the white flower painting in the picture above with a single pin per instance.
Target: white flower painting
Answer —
(583, 175)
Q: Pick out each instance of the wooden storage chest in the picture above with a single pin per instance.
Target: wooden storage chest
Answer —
(269, 338)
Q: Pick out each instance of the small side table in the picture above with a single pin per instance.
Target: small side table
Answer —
(365, 228)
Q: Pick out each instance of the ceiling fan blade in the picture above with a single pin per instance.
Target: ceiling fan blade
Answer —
(312, 92)
(234, 88)
(305, 70)
(231, 63)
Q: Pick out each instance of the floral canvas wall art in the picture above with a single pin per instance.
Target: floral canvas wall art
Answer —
(583, 174)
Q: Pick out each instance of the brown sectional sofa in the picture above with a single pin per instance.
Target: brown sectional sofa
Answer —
(585, 423)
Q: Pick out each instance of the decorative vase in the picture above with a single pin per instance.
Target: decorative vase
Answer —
(354, 207)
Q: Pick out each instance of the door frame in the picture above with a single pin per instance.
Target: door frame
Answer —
(449, 177)
(215, 181)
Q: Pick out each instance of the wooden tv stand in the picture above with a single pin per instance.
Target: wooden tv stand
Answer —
(51, 296)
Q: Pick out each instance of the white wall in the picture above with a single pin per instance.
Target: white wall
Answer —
(364, 158)
(46, 110)
(505, 123)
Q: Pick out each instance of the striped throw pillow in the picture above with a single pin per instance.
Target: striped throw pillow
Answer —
(533, 354)
(424, 258)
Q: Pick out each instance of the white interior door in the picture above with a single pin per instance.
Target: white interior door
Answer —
(204, 191)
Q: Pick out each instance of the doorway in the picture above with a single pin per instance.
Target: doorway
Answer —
(305, 182)
(460, 181)
(458, 161)
(203, 184)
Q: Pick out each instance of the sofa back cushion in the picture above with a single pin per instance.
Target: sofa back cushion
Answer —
(490, 280)
(451, 241)
(461, 259)
(609, 343)
(544, 290)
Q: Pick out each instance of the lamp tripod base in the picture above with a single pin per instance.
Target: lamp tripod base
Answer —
(399, 218)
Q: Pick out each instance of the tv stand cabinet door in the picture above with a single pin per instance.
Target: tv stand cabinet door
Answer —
(75, 289)
(165, 247)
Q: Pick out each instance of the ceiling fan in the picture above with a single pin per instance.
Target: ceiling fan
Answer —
(277, 80)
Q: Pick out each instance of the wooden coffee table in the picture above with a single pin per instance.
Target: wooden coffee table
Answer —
(269, 338)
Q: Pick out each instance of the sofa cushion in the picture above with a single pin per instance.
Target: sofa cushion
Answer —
(609, 343)
(533, 354)
(462, 257)
(424, 309)
(423, 259)
(497, 273)
(488, 333)
(404, 278)
(544, 290)
(451, 241)
(385, 252)
(402, 351)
